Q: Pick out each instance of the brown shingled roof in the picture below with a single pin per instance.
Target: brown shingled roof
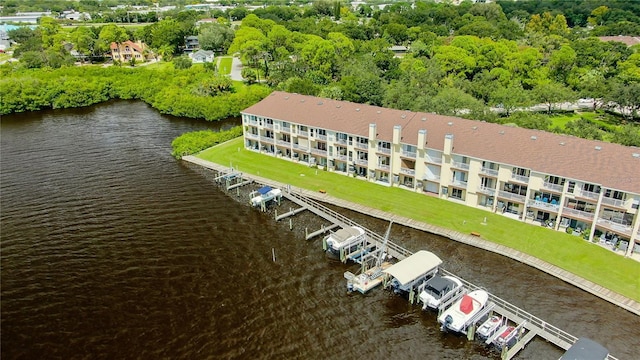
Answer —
(627, 40)
(611, 165)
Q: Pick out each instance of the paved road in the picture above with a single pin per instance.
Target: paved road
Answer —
(236, 69)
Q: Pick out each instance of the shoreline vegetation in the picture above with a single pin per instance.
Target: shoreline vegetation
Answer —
(573, 254)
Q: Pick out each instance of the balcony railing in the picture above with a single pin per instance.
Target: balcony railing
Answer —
(613, 202)
(383, 167)
(588, 194)
(341, 157)
(408, 154)
(408, 171)
(432, 159)
(268, 126)
(553, 187)
(303, 133)
(252, 122)
(460, 165)
(490, 172)
(577, 213)
(359, 145)
(383, 150)
(251, 136)
(486, 190)
(283, 143)
(520, 178)
(301, 148)
(321, 137)
(285, 130)
(458, 182)
(362, 162)
(431, 177)
(616, 225)
(511, 196)
(266, 138)
(319, 151)
(341, 141)
(544, 206)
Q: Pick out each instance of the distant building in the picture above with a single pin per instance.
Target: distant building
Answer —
(206, 21)
(191, 43)
(627, 40)
(128, 50)
(202, 56)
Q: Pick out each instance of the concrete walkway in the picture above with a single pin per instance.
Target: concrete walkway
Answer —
(595, 289)
(236, 69)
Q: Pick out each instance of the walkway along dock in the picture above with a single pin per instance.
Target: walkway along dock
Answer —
(534, 325)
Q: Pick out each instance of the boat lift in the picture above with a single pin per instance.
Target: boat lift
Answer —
(372, 267)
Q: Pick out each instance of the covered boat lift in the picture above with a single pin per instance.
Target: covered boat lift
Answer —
(407, 274)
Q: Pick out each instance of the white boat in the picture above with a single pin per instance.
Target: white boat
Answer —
(438, 288)
(407, 274)
(347, 239)
(461, 313)
(507, 338)
(489, 327)
(264, 194)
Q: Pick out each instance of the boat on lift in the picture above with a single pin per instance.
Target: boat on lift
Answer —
(434, 290)
(489, 327)
(507, 338)
(264, 195)
(344, 240)
(462, 312)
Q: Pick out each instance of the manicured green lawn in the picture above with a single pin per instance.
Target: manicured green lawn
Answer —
(224, 67)
(569, 252)
(561, 120)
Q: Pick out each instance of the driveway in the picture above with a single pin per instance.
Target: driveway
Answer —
(236, 69)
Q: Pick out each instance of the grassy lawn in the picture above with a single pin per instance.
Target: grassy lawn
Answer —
(224, 66)
(569, 252)
(561, 120)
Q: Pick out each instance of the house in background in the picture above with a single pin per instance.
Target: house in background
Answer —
(202, 56)
(125, 51)
(191, 44)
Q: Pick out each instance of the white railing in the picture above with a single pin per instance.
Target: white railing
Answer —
(268, 126)
(251, 136)
(319, 151)
(578, 213)
(283, 143)
(362, 162)
(383, 167)
(588, 194)
(408, 171)
(490, 172)
(544, 205)
(429, 176)
(252, 122)
(460, 165)
(266, 138)
(617, 225)
(459, 182)
(383, 150)
(359, 145)
(342, 157)
(521, 178)
(285, 129)
(321, 137)
(408, 154)
(613, 202)
(341, 141)
(301, 148)
(486, 190)
(303, 133)
(554, 187)
(435, 160)
(511, 196)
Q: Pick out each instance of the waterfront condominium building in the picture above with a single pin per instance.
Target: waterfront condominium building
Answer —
(588, 188)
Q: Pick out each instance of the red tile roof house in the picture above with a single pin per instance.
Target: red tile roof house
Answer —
(560, 181)
(125, 51)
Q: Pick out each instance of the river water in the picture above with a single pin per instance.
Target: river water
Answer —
(110, 248)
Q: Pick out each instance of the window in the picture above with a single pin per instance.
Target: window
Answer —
(591, 188)
(384, 145)
(456, 193)
(572, 185)
(554, 180)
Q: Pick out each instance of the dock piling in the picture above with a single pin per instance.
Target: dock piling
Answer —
(290, 223)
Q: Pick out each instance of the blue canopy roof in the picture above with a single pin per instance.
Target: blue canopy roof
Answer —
(264, 190)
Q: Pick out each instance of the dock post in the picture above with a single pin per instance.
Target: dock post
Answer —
(324, 243)
(290, 224)
(471, 332)
(238, 192)
(273, 254)
(276, 211)
(306, 232)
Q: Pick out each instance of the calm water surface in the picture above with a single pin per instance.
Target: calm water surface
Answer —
(110, 249)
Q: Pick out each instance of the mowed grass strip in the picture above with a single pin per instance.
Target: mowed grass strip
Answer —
(224, 66)
(568, 252)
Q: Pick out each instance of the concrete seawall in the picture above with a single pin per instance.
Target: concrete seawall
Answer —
(595, 289)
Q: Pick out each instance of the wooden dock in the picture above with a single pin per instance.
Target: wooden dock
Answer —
(535, 326)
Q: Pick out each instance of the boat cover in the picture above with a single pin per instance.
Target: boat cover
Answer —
(263, 190)
(585, 349)
(466, 305)
(439, 283)
(414, 266)
(343, 235)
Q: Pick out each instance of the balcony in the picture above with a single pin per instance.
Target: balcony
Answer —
(341, 141)
(588, 195)
(341, 157)
(577, 213)
(520, 178)
(266, 139)
(433, 160)
(490, 172)
(319, 152)
(619, 226)
(362, 146)
(486, 190)
(459, 183)
(431, 177)
(303, 133)
(251, 136)
(283, 143)
(252, 122)
(285, 130)
(301, 148)
(407, 171)
(268, 126)
(383, 150)
(383, 167)
(460, 165)
(553, 187)
(321, 137)
(408, 154)
(511, 196)
(613, 202)
(362, 162)
(544, 206)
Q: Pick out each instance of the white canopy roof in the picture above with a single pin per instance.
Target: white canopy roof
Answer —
(414, 266)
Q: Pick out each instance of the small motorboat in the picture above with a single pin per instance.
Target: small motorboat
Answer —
(461, 313)
(438, 288)
(347, 239)
(507, 338)
(489, 327)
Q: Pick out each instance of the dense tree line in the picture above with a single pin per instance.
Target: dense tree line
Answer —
(185, 93)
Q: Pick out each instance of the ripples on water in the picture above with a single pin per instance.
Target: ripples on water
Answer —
(112, 249)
